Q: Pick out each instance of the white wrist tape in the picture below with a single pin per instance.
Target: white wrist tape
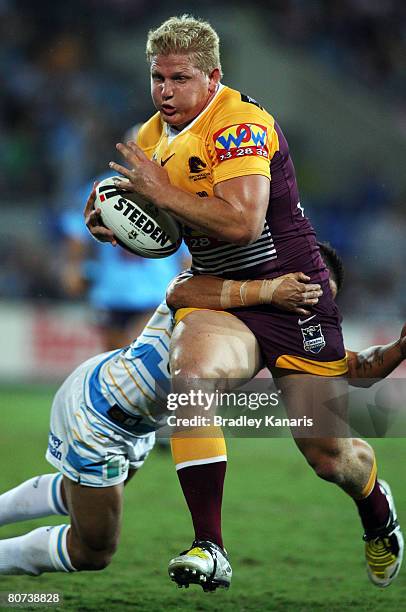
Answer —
(225, 296)
(268, 288)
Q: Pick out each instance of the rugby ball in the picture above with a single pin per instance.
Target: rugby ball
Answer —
(138, 225)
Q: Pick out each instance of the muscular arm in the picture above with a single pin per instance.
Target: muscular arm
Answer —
(235, 213)
(376, 362)
(289, 292)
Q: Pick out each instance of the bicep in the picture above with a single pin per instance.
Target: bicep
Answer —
(250, 195)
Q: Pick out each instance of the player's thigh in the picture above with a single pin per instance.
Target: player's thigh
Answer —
(96, 514)
(131, 474)
(211, 344)
(318, 409)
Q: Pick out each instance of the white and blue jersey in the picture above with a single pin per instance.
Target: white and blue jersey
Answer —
(105, 414)
(128, 387)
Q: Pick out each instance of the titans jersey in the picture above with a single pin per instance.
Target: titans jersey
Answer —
(232, 137)
(128, 387)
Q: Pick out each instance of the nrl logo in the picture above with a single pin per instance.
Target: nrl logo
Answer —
(313, 339)
(132, 235)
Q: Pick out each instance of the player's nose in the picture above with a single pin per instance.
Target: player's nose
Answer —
(167, 90)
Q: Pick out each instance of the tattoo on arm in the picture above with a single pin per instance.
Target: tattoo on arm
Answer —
(374, 356)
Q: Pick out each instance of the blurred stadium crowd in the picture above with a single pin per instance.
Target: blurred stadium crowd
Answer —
(69, 92)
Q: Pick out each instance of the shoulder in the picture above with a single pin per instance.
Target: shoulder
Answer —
(241, 129)
(234, 104)
(150, 133)
(239, 119)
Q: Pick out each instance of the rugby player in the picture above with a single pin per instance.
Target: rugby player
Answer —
(216, 160)
(102, 428)
(364, 369)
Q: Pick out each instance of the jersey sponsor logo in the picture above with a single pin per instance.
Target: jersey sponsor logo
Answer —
(241, 140)
(117, 414)
(313, 339)
(115, 466)
(53, 446)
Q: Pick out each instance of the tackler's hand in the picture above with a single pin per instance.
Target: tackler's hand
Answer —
(294, 293)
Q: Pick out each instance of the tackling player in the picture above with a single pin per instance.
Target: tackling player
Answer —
(226, 174)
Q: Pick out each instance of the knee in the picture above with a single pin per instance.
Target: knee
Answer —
(91, 556)
(92, 560)
(189, 369)
(198, 372)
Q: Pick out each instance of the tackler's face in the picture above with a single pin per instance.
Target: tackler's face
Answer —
(179, 90)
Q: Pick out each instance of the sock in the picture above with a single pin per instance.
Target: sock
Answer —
(201, 468)
(373, 506)
(37, 497)
(41, 550)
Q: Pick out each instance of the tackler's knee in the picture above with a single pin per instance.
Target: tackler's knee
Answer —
(93, 560)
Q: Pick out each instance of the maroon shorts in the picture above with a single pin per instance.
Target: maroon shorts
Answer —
(310, 343)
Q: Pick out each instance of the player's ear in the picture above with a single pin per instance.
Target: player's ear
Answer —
(214, 79)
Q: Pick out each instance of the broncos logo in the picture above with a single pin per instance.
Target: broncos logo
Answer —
(196, 164)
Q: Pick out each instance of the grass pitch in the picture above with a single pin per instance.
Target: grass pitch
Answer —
(294, 541)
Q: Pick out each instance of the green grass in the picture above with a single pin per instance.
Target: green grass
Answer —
(294, 541)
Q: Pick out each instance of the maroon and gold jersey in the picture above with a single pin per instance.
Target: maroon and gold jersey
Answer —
(232, 137)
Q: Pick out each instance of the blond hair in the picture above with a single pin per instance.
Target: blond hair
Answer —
(183, 35)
